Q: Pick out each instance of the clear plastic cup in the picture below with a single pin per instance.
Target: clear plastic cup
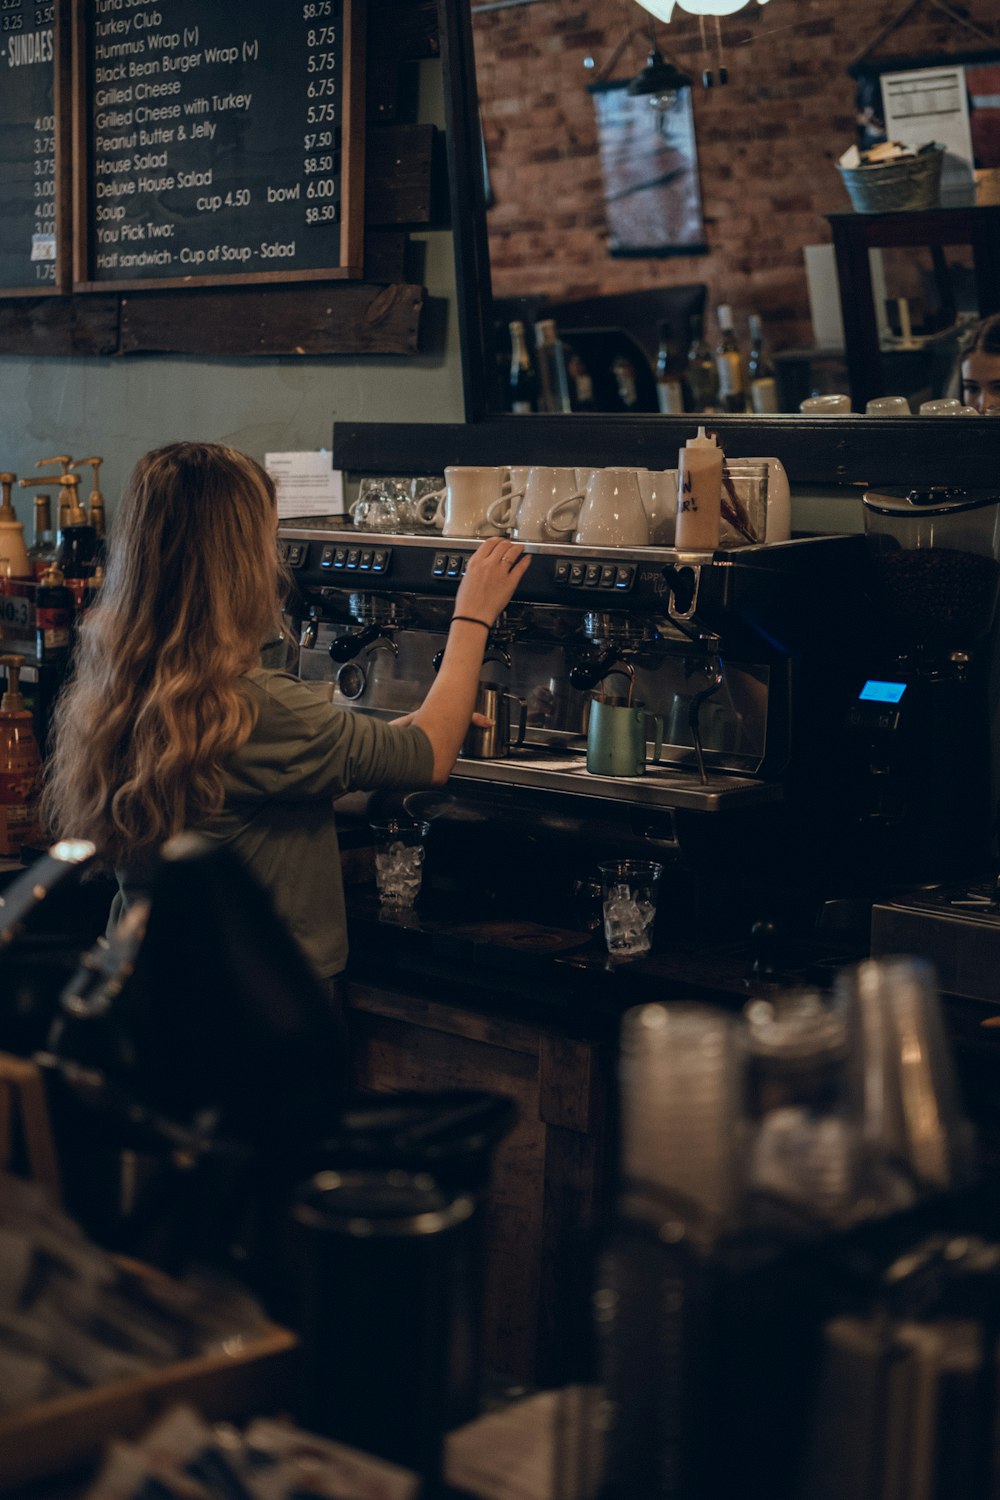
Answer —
(399, 860)
(629, 888)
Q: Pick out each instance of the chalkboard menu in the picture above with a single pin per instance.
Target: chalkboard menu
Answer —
(218, 143)
(32, 244)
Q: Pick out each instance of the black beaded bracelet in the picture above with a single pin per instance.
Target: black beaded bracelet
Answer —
(472, 620)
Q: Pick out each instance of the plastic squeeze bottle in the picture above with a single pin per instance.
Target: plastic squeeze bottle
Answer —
(699, 494)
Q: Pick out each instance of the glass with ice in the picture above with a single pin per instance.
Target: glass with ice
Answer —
(399, 860)
(629, 889)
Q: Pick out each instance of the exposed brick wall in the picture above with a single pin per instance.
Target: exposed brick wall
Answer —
(767, 143)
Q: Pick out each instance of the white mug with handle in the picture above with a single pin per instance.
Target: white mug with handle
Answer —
(611, 515)
(462, 507)
(547, 490)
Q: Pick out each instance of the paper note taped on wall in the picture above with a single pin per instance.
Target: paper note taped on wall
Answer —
(43, 247)
(306, 484)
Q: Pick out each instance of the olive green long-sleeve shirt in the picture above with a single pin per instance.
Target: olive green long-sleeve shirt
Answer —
(279, 789)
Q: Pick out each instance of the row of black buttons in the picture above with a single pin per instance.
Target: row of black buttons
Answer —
(594, 575)
(356, 559)
(449, 564)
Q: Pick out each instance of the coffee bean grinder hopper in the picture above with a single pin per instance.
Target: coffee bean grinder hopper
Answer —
(921, 723)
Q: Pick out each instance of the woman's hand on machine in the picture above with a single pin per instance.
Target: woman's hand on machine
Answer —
(495, 569)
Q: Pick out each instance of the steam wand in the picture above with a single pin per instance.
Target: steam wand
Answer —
(717, 678)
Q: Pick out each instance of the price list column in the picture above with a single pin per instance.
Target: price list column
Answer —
(28, 181)
(216, 146)
(322, 38)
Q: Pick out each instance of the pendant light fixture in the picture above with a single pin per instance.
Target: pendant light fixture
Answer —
(660, 81)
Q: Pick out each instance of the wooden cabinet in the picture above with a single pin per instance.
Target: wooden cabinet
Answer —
(549, 1173)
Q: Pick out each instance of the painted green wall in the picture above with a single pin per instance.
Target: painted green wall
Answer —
(121, 407)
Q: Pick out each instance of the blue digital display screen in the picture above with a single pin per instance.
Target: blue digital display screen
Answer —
(882, 692)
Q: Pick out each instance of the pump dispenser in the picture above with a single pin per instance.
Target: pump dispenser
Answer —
(13, 553)
(95, 516)
(699, 494)
(95, 500)
(20, 764)
(77, 544)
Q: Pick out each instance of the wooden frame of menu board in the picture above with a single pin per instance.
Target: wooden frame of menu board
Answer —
(34, 149)
(195, 164)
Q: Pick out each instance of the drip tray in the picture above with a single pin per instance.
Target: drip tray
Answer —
(661, 786)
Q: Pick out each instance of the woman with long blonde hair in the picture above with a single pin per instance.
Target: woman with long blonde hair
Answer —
(169, 722)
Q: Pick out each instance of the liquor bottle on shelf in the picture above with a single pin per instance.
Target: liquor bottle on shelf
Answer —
(53, 617)
(42, 552)
(763, 384)
(729, 360)
(552, 371)
(701, 371)
(623, 370)
(671, 396)
(20, 765)
(581, 384)
(523, 380)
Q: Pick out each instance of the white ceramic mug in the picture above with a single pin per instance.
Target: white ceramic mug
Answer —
(610, 515)
(658, 490)
(461, 508)
(547, 490)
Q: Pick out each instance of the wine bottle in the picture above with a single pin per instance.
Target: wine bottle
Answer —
(625, 378)
(763, 384)
(581, 384)
(701, 371)
(670, 393)
(552, 368)
(523, 380)
(729, 361)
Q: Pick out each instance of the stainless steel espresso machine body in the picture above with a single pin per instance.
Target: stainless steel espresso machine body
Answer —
(745, 661)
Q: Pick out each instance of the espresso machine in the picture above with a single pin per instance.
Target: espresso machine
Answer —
(745, 660)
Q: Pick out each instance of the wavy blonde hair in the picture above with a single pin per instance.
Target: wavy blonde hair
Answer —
(154, 706)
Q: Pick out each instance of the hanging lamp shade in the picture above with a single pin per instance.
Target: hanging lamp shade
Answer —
(659, 78)
(663, 9)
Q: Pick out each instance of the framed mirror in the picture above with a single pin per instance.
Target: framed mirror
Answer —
(839, 450)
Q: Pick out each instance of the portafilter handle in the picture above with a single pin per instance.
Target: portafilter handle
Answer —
(587, 674)
(346, 647)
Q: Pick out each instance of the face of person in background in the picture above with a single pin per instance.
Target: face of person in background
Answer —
(981, 381)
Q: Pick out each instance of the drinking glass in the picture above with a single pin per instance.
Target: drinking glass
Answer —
(888, 406)
(380, 505)
(826, 406)
(629, 888)
(399, 860)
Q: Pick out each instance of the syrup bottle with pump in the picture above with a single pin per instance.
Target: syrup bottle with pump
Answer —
(14, 562)
(77, 545)
(95, 517)
(20, 765)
